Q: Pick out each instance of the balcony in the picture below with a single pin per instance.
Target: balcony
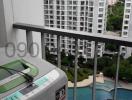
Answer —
(76, 35)
(22, 23)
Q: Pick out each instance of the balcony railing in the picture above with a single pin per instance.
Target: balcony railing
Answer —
(119, 41)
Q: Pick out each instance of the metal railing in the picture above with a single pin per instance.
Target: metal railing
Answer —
(76, 35)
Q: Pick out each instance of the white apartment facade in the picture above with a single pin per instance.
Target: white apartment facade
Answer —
(127, 26)
(77, 15)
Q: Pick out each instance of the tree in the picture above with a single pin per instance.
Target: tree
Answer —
(104, 62)
(81, 60)
(115, 17)
(111, 47)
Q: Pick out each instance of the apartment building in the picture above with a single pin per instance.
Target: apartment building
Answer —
(127, 26)
(78, 15)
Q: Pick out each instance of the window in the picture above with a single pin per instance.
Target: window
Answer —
(50, 1)
(69, 12)
(82, 8)
(75, 23)
(45, 1)
(127, 10)
(58, 7)
(81, 28)
(46, 12)
(125, 33)
(62, 13)
(126, 22)
(90, 14)
(58, 17)
(75, 2)
(51, 22)
(101, 4)
(63, 27)
(51, 7)
(74, 8)
(128, 4)
(63, 23)
(51, 12)
(89, 54)
(90, 8)
(62, 2)
(63, 18)
(58, 22)
(58, 12)
(100, 20)
(69, 2)
(90, 3)
(90, 19)
(70, 18)
(46, 17)
(125, 27)
(69, 8)
(99, 31)
(75, 13)
(90, 30)
(82, 2)
(89, 49)
(99, 26)
(101, 9)
(45, 6)
(62, 8)
(126, 16)
(58, 2)
(58, 26)
(74, 28)
(100, 15)
(90, 25)
(82, 24)
(51, 17)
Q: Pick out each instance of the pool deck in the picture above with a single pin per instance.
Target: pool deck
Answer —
(99, 79)
(87, 82)
(123, 84)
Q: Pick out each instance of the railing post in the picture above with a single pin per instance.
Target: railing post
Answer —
(117, 74)
(29, 38)
(43, 46)
(95, 71)
(75, 69)
(59, 51)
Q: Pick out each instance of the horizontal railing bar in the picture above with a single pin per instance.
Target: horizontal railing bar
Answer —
(75, 34)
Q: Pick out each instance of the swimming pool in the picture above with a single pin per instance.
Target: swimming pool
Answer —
(85, 93)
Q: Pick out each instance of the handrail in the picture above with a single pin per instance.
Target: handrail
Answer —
(119, 41)
(75, 34)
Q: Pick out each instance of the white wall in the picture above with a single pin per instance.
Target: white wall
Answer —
(3, 38)
(24, 11)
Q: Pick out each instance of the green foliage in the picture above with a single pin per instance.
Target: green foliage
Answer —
(83, 73)
(81, 61)
(50, 57)
(115, 17)
(111, 47)
(125, 71)
(104, 62)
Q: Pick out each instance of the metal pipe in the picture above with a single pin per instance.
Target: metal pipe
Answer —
(43, 46)
(59, 51)
(75, 69)
(95, 71)
(29, 38)
(117, 74)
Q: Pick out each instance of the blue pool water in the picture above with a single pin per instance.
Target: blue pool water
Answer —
(85, 93)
